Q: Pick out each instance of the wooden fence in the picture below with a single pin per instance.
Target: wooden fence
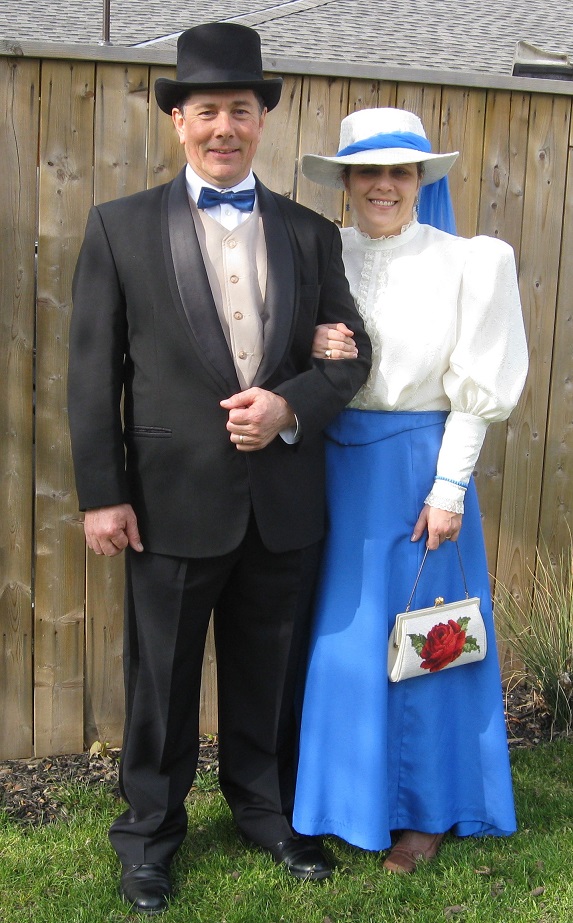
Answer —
(79, 130)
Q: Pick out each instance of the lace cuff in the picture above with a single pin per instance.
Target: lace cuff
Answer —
(451, 504)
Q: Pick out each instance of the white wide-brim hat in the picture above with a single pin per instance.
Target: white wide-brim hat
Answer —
(364, 126)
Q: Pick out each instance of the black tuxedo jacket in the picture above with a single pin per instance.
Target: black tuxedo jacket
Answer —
(145, 329)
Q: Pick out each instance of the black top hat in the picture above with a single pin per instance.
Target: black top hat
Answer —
(217, 55)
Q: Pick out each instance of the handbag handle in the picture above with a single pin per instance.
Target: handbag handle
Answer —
(420, 571)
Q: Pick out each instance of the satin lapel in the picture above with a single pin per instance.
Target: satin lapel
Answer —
(193, 299)
(280, 298)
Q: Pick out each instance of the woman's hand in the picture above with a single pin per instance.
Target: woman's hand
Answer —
(333, 341)
(441, 525)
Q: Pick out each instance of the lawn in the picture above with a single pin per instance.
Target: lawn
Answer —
(65, 872)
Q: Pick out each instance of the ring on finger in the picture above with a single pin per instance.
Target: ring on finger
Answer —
(241, 439)
(328, 353)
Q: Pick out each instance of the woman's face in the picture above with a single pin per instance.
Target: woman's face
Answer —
(383, 197)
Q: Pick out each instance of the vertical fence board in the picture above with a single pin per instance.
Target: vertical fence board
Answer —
(104, 692)
(120, 149)
(208, 700)
(501, 215)
(19, 85)
(165, 155)
(66, 131)
(120, 168)
(425, 102)
(324, 105)
(504, 162)
(463, 113)
(365, 94)
(386, 94)
(539, 266)
(556, 516)
(275, 160)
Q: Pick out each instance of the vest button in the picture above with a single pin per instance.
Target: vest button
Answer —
(237, 315)
(234, 279)
(242, 354)
(232, 244)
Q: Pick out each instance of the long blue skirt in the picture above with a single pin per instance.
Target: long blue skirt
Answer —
(428, 753)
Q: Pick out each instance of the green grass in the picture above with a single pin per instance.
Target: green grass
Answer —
(66, 872)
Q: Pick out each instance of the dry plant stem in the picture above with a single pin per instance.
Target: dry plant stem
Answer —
(539, 630)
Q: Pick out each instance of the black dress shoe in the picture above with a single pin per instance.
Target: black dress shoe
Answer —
(302, 857)
(146, 887)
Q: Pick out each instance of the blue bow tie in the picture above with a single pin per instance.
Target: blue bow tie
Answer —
(244, 200)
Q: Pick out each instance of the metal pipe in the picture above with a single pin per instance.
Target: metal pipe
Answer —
(105, 24)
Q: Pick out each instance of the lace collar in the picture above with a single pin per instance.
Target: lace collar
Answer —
(407, 233)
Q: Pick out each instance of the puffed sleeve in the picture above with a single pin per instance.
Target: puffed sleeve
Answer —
(487, 367)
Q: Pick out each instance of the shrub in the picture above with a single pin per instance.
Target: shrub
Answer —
(539, 630)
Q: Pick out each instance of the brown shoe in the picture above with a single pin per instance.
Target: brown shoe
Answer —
(412, 848)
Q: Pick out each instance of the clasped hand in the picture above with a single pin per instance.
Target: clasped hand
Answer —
(256, 417)
(333, 341)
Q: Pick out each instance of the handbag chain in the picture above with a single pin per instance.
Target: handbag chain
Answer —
(407, 609)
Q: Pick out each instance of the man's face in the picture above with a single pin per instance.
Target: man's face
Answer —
(221, 130)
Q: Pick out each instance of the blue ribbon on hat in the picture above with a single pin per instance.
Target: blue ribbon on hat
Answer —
(434, 202)
(388, 139)
(209, 198)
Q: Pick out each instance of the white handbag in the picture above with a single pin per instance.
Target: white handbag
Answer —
(442, 636)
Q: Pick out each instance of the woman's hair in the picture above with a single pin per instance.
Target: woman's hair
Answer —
(346, 170)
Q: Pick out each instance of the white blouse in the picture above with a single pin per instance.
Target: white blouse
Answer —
(445, 321)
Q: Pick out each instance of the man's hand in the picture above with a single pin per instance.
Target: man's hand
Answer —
(333, 341)
(256, 416)
(441, 525)
(110, 529)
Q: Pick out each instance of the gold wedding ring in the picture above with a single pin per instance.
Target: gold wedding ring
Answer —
(241, 438)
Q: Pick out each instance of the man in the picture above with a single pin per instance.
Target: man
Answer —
(200, 313)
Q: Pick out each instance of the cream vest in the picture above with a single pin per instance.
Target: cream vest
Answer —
(236, 265)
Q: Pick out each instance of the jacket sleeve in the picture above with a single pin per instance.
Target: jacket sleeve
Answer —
(96, 372)
(319, 393)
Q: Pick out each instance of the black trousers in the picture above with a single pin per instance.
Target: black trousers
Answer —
(261, 604)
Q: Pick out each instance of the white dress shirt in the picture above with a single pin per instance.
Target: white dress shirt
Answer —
(227, 215)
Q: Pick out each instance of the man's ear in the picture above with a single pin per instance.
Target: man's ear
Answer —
(178, 120)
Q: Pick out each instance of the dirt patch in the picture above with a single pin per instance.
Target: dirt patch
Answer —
(30, 790)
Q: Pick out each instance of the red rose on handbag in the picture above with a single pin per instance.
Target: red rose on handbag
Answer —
(444, 644)
(437, 637)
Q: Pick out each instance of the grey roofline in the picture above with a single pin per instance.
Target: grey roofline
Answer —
(155, 54)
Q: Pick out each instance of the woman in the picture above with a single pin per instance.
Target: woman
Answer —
(426, 755)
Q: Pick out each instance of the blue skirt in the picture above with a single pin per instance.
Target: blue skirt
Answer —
(428, 753)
